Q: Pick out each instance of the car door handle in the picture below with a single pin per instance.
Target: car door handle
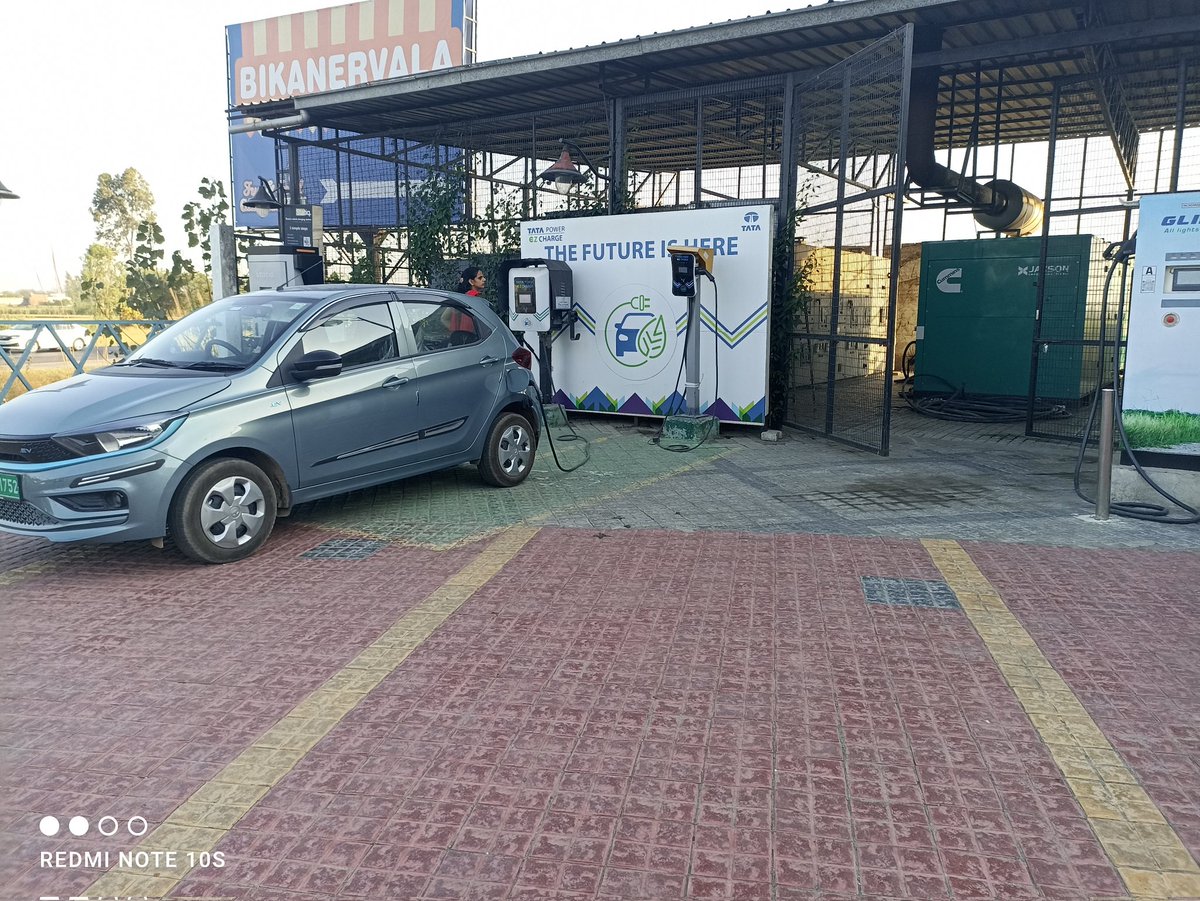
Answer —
(488, 361)
(395, 382)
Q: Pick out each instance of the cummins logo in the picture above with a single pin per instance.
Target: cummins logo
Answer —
(948, 281)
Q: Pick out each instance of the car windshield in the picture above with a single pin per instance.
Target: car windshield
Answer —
(227, 335)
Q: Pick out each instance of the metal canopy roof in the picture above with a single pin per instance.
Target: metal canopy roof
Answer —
(1017, 49)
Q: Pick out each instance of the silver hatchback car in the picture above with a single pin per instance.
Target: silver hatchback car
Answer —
(258, 402)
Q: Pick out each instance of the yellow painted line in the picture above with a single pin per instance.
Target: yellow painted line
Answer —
(1148, 855)
(197, 825)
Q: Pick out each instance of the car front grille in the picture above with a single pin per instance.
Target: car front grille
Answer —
(19, 513)
(33, 450)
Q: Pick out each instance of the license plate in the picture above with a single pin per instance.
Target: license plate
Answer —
(10, 487)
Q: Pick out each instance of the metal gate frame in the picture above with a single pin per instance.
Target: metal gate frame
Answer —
(838, 415)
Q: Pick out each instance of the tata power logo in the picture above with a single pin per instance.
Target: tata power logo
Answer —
(639, 333)
(948, 281)
(750, 222)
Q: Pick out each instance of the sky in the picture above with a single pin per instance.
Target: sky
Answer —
(89, 87)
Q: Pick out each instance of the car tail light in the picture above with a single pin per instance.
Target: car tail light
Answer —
(522, 357)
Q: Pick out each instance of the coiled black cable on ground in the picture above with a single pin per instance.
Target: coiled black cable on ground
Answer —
(1119, 253)
(962, 407)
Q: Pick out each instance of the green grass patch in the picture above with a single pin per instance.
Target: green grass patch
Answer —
(1148, 429)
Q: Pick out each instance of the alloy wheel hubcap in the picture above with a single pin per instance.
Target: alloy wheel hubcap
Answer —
(515, 450)
(233, 512)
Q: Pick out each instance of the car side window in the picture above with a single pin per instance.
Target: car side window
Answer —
(361, 335)
(438, 326)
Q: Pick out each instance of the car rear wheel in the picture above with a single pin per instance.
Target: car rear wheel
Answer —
(224, 511)
(78, 344)
(509, 452)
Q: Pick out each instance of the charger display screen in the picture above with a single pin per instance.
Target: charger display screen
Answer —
(683, 275)
(1183, 278)
(524, 296)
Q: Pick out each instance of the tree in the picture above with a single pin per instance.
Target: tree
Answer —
(442, 235)
(73, 288)
(121, 203)
(102, 283)
(157, 293)
(198, 216)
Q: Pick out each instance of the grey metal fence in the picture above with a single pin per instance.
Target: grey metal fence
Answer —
(38, 350)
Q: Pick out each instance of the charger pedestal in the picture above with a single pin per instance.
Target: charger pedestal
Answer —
(690, 429)
(555, 416)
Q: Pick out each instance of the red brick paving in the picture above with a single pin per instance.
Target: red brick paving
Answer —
(642, 715)
(130, 680)
(653, 715)
(1123, 630)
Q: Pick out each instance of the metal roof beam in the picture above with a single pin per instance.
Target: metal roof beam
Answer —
(1129, 31)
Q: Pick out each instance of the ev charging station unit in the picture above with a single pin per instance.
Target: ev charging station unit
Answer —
(686, 264)
(275, 267)
(1162, 354)
(540, 299)
(298, 260)
(540, 296)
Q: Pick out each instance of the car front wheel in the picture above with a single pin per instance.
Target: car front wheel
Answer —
(508, 455)
(78, 344)
(223, 511)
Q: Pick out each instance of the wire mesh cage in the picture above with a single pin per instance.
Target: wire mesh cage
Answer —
(849, 181)
(1091, 185)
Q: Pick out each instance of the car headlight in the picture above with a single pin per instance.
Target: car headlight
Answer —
(119, 436)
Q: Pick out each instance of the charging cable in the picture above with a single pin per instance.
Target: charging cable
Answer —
(541, 413)
(1119, 253)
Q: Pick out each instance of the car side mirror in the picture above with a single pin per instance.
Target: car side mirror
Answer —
(317, 364)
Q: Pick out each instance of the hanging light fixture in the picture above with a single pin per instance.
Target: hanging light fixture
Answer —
(6, 194)
(264, 198)
(564, 174)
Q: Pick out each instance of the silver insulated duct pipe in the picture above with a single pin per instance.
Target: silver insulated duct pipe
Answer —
(999, 205)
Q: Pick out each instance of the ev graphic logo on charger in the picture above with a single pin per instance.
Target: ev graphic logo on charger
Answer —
(639, 333)
(948, 281)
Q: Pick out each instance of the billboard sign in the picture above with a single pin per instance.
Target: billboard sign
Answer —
(1161, 400)
(325, 50)
(633, 327)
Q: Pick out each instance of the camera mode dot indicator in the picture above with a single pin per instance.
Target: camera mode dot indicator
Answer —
(48, 826)
(78, 825)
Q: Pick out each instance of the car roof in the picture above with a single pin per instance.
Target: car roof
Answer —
(325, 292)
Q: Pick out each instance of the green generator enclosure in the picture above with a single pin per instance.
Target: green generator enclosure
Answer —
(977, 313)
